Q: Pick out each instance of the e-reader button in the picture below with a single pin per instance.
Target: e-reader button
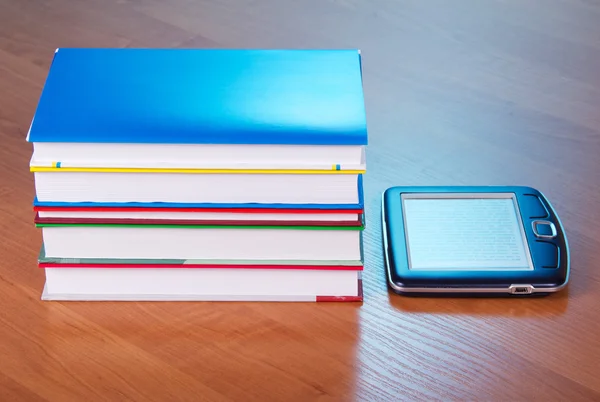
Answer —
(548, 254)
(533, 207)
(544, 229)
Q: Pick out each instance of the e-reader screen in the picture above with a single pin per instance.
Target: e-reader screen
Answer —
(464, 232)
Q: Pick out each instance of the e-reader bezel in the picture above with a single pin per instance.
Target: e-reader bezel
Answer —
(540, 280)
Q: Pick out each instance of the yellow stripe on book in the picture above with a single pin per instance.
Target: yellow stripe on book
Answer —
(176, 170)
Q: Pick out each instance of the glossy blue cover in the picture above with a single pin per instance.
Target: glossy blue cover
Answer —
(202, 96)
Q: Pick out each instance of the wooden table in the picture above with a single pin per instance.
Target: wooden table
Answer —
(462, 93)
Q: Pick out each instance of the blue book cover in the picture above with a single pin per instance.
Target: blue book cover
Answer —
(202, 96)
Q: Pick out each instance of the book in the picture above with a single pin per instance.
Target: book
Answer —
(204, 211)
(202, 110)
(357, 206)
(45, 261)
(196, 206)
(247, 220)
(233, 188)
(202, 242)
(158, 284)
(195, 215)
(201, 280)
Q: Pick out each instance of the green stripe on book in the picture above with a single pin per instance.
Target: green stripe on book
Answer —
(126, 261)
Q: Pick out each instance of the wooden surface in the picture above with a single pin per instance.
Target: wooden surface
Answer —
(461, 92)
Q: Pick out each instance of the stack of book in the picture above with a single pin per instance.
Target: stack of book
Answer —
(190, 174)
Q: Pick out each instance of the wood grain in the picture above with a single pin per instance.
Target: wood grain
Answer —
(462, 92)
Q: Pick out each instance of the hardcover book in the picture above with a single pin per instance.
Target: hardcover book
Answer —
(201, 110)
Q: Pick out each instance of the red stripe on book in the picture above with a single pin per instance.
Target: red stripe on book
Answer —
(358, 298)
(191, 222)
(206, 266)
(208, 210)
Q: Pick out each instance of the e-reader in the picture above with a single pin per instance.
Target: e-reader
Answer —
(492, 240)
